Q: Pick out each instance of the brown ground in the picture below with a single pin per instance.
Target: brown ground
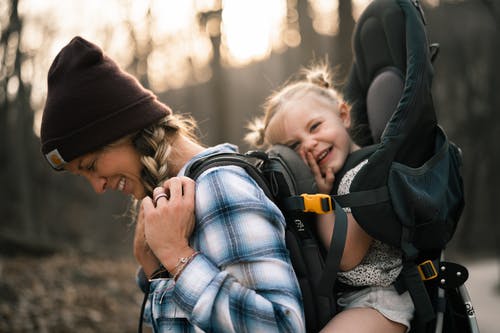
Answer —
(68, 293)
(77, 293)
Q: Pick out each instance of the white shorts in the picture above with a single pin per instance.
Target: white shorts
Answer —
(386, 300)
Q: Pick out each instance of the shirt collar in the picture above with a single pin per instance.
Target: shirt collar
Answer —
(223, 147)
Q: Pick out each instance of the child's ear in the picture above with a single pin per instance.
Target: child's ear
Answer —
(345, 114)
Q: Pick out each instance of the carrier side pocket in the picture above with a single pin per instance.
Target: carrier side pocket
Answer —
(429, 200)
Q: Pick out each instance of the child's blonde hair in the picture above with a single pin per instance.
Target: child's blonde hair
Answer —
(316, 79)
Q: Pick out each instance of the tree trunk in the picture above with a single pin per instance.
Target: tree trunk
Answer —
(342, 49)
(19, 227)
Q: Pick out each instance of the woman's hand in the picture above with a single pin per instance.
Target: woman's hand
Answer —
(169, 221)
(142, 252)
(324, 182)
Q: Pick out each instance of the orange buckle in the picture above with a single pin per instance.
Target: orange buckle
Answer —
(317, 203)
(427, 270)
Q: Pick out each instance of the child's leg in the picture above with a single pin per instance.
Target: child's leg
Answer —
(372, 309)
(361, 320)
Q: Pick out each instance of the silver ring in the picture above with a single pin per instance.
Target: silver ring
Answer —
(161, 195)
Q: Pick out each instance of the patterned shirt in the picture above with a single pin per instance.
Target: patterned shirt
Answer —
(383, 262)
(242, 280)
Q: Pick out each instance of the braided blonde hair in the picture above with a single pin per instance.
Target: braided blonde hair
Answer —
(315, 79)
(154, 144)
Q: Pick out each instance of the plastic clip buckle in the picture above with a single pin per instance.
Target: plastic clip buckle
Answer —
(317, 203)
(427, 270)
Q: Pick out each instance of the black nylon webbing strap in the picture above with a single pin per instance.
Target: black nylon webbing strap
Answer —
(225, 159)
(293, 203)
(363, 198)
(332, 261)
(411, 279)
(354, 199)
(415, 286)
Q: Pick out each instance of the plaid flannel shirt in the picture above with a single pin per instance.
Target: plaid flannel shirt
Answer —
(242, 280)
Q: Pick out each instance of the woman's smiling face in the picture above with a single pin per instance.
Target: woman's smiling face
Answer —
(313, 124)
(116, 167)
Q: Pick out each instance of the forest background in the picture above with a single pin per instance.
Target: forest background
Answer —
(66, 261)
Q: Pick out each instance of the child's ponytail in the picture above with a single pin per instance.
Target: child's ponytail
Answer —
(255, 136)
(319, 75)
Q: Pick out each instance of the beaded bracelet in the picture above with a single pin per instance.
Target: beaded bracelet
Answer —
(182, 263)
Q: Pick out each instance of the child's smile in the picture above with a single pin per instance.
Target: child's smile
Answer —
(312, 124)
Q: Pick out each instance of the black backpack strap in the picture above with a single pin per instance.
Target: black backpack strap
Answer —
(320, 204)
(411, 279)
(224, 159)
(363, 198)
(335, 252)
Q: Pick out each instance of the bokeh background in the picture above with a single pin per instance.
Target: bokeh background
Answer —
(66, 262)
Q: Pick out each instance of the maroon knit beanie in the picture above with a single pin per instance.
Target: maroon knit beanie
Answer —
(90, 103)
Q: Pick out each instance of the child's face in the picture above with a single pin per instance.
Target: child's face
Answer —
(313, 124)
(116, 167)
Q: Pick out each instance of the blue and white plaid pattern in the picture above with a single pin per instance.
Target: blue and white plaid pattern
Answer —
(242, 281)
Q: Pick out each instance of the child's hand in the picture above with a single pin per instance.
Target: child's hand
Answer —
(324, 182)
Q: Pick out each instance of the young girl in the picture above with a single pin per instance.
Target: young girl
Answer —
(310, 117)
(101, 124)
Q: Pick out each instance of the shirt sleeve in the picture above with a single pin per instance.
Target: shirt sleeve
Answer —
(242, 280)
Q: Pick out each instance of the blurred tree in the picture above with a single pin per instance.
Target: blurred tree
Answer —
(142, 47)
(210, 21)
(17, 165)
(342, 48)
(309, 37)
(466, 95)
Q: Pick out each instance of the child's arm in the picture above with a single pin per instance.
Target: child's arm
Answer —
(357, 240)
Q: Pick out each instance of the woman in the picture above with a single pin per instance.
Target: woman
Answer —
(228, 266)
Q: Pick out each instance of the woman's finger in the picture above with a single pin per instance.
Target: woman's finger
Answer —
(188, 188)
(173, 186)
(147, 205)
(158, 194)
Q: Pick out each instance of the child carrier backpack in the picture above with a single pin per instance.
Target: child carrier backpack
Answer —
(411, 182)
(412, 179)
(289, 183)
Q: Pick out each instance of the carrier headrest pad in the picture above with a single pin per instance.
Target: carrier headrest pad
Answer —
(382, 98)
(299, 170)
(379, 40)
